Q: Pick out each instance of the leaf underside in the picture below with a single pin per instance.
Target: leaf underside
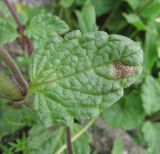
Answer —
(77, 76)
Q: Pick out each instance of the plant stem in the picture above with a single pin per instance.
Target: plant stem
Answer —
(10, 8)
(76, 136)
(15, 70)
(68, 137)
(20, 28)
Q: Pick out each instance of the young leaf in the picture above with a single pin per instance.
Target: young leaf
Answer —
(42, 140)
(152, 136)
(134, 4)
(8, 29)
(151, 95)
(80, 75)
(135, 20)
(44, 26)
(66, 3)
(87, 18)
(4, 10)
(117, 146)
(103, 6)
(128, 110)
(8, 33)
(8, 89)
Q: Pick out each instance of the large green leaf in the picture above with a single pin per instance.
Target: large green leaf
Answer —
(151, 95)
(152, 136)
(87, 18)
(45, 141)
(127, 113)
(80, 75)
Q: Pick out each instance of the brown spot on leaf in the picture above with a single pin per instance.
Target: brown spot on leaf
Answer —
(122, 70)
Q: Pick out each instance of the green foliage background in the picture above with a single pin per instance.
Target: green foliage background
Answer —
(138, 110)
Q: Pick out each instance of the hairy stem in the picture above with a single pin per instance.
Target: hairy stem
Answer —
(76, 136)
(26, 40)
(4, 55)
(68, 137)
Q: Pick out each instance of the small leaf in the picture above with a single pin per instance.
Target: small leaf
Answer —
(115, 20)
(8, 28)
(8, 89)
(152, 136)
(135, 21)
(8, 32)
(117, 146)
(87, 18)
(45, 26)
(66, 3)
(151, 10)
(43, 141)
(103, 6)
(128, 110)
(11, 120)
(150, 48)
(151, 95)
(80, 75)
(4, 10)
(133, 3)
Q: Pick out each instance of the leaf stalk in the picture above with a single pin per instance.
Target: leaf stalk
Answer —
(76, 136)
(26, 41)
(68, 137)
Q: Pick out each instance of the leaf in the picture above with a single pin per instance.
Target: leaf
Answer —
(4, 10)
(117, 146)
(135, 21)
(45, 26)
(127, 113)
(8, 89)
(103, 6)
(11, 120)
(8, 32)
(151, 10)
(8, 28)
(152, 136)
(151, 95)
(133, 3)
(150, 48)
(80, 75)
(66, 3)
(116, 22)
(47, 141)
(87, 18)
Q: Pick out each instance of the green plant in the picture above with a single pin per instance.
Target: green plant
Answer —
(72, 75)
